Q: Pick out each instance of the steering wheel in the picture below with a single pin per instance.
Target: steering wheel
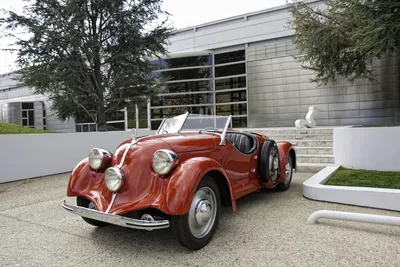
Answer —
(209, 129)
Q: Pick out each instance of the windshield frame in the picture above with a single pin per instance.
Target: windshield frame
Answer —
(181, 122)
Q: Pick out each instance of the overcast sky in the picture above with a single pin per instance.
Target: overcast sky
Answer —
(184, 13)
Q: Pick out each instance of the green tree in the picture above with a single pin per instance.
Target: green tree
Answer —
(343, 38)
(89, 56)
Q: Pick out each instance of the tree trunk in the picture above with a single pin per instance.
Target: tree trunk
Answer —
(101, 117)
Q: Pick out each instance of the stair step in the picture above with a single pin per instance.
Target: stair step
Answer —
(314, 150)
(278, 131)
(315, 158)
(311, 167)
(309, 143)
(302, 136)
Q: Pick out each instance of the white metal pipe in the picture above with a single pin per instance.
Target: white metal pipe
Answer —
(137, 116)
(352, 216)
(126, 118)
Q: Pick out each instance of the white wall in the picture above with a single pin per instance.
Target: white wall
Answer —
(25, 156)
(367, 148)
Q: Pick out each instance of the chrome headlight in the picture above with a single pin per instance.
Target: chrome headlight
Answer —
(164, 161)
(96, 157)
(113, 179)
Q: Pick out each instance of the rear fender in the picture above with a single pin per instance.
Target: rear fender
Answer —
(284, 149)
(184, 181)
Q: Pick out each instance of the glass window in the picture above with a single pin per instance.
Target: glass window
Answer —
(31, 120)
(155, 124)
(183, 62)
(24, 114)
(187, 99)
(239, 122)
(85, 128)
(78, 128)
(24, 122)
(27, 105)
(44, 121)
(230, 57)
(232, 109)
(186, 74)
(160, 113)
(230, 83)
(44, 113)
(230, 70)
(235, 96)
(188, 87)
(93, 127)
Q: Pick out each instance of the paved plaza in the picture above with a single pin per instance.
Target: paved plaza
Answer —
(268, 229)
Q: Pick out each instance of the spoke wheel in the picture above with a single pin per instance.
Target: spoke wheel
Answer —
(274, 165)
(195, 229)
(282, 186)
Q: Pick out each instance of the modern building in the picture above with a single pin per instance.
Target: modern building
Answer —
(19, 105)
(245, 66)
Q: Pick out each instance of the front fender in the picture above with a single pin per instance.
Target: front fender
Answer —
(184, 181)
(284, 148)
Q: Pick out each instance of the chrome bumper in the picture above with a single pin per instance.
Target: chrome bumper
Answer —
(115, 219)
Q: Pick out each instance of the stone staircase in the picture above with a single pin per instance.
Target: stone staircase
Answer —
(314, 147)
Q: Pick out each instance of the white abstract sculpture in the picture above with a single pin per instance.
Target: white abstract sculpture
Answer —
(309, 122)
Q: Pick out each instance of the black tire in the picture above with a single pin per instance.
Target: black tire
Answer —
(84, 202)
(283, 186)
(180, 223)
(269, 147)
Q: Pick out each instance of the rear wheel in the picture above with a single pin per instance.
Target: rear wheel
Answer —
(269, 162)
(195, 229)
(86, 203)
(282, 186)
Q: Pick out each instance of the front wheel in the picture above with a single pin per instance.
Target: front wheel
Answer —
(195, 229)
(282, 186)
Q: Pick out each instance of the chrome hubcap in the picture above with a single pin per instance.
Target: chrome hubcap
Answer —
(288, 171)
(203, 211)
(92, 206)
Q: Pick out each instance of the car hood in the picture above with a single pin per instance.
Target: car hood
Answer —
(183, 142)
(189, 142)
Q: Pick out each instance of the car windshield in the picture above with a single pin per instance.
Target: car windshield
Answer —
(194, 122)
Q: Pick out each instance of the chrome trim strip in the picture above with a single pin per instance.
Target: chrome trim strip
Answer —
(115, 219)
(112, 202)
(134, 141)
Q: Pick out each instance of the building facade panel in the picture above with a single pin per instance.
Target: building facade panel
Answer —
(340, 103)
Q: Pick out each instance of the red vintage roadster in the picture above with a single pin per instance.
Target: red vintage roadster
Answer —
(177, 177)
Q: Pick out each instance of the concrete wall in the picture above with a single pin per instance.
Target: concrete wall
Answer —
(367, 148)
(32, 155)
(280, 92)
(14, 113)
